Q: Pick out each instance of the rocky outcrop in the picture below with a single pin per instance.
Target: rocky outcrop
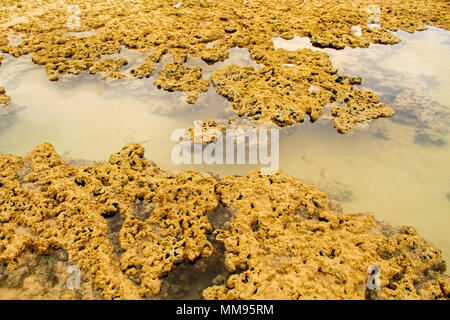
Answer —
(190, 28)
(126, 224)
(4, 99)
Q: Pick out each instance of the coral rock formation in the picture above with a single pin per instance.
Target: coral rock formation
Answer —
(126, 224)
(363, 106)
(285, 243)
(177, 77)
(109, 67)
(4, 99)
(160, 27)
(297, 83)
(63, 207)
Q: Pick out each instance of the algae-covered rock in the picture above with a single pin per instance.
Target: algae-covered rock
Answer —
(4, 99)
(285, 243)
(177, 77)
(294, 84)
(64, 207)
(208, 29)
(363, 106)
(109, 67)
(126, 224)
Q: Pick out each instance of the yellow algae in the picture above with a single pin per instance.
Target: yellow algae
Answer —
(208, 131)
(146, 69)
(65, 207)
(159, 27)
(126, 224)
(284, 243)
(178, 77)
(362, 106)
(294, 84)
(109, 67)
(4, 99)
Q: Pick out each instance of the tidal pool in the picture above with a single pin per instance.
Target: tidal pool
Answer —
(397, 168)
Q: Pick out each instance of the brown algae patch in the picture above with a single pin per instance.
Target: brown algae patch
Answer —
(127, 224)
(208, 30)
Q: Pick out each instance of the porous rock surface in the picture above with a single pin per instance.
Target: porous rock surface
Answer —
(67, 207)
(207, 133)
(126, 224)
(163, 27)
(4, 99)
(109, 68)
(297, 83)
(287, 244)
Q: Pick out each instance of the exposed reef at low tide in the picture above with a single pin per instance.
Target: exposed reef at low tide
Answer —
(127, 224)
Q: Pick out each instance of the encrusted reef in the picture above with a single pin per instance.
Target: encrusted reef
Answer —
(109, 67)
(4, 99)
(287, 244)
(207, 132)
(209, 29)
(295, 84)
(176, 77)
(64, 207)
(127, 224)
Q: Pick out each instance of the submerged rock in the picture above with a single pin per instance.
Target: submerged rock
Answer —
(208, 131)
(127, 224)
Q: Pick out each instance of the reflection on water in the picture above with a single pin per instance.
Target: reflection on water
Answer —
(396, 168)
(412, 77)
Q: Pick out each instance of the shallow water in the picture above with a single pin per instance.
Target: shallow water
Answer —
(397, 168)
